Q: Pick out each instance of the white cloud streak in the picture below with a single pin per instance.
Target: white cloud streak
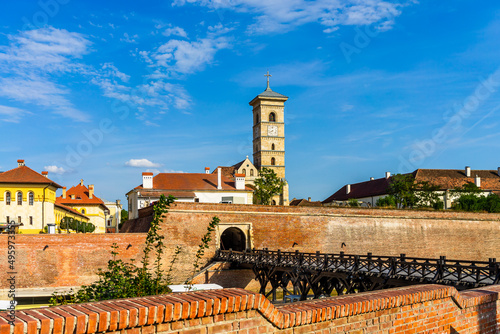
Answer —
(141, 163)
(32, 61)
(279, 16)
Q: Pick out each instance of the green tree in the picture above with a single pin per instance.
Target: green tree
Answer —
(403, 188)
(428, 196)
(267, 185)
(387, 201)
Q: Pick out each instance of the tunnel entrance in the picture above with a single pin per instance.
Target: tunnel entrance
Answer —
(233, 238)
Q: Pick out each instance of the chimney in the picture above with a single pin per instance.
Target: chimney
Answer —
(478, 181)
(387, 175)
(219, 179)
(498, 171)
(309, 199)
(72, 196)
(45, 173)
(348, 189)
(467, 171)
(20, 163)
(91, 191)
(372, 178)
(64, 193)
(81, 182)
(147, 180)
(239, 181)
(207, 170)
(118, 202)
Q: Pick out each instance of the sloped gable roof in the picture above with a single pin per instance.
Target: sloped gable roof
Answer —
(24, 174)
(444, 178)
(81, 193)
(191, 182)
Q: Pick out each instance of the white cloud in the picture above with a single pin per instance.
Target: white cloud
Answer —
(188, 57)
(129, 39)
(11, 114)
(284, 15)
(174, 31)
(31, 62)
(143, 163)
(56, 170)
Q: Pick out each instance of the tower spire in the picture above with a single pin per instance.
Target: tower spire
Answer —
(268, 75)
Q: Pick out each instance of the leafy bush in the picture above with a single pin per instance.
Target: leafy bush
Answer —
(387, 201)
(352, 202)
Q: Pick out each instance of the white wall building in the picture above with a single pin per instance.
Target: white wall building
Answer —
(188, 187)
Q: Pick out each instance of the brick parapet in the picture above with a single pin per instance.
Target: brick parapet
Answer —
(415, 309)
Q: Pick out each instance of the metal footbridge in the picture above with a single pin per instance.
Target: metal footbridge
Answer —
(300, 273)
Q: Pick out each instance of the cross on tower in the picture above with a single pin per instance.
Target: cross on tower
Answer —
(268, 75)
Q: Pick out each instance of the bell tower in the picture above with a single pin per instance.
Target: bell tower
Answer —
(269, 134)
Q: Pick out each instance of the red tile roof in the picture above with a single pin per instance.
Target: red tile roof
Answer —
(444, 178)
(24, 174)
(176, 194)
(81, 193)
(190, 182)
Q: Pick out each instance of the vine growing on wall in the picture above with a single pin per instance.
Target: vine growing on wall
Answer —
(125, 279)
(205, 240)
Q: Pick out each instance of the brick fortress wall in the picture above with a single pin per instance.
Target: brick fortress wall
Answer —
(420, 309)
(72, 260)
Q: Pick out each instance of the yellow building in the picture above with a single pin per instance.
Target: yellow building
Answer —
(269, 135)
(84, 200)
(63, 212)
(27, 198)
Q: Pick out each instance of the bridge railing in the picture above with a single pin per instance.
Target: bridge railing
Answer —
(440, 270)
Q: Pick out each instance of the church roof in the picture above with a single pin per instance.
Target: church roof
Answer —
(24, 174)
(270, 93)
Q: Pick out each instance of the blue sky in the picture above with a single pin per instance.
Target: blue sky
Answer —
(103, 91)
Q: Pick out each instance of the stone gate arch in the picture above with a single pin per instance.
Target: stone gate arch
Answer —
(234, 236)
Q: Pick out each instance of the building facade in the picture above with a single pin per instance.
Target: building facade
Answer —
(27, 198)
(188, 187)
(84, 200)
(369, 192)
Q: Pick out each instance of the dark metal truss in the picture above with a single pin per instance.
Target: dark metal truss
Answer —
(321, 273)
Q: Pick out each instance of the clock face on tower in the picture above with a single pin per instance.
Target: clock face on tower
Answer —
(272, 130)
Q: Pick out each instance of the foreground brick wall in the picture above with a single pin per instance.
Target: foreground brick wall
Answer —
(422, 309)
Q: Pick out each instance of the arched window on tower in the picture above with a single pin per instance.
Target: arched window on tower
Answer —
(272, 117)
(273, 161)
(31, 198)
(272, 147)
(256, 119)
(7, 198)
